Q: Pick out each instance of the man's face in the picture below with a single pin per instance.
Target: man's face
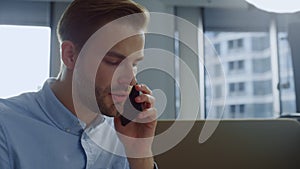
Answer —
(116, 73)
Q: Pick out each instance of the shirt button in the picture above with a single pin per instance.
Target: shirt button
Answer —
(68, 130)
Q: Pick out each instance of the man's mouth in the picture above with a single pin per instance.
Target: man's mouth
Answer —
(119, 97)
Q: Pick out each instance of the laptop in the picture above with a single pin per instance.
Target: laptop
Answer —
(235, 144)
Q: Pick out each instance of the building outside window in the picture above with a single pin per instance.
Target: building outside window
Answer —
(236, 66)
(236, 88)
(261, 65)
(237, 111)
(235, 44)
(248, 73)
(261, 88)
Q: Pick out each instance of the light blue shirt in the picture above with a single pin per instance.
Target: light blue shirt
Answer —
(38, 132)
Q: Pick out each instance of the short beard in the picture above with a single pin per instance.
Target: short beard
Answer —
(105, 109)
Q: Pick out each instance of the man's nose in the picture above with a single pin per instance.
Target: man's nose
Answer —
(127, 75)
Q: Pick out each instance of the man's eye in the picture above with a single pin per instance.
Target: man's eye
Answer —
(112, 62)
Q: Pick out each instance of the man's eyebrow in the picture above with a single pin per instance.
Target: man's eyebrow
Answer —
(115, 54)
(120, 56)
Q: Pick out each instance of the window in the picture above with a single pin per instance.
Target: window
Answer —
(248, 75)
(236, 88)
(242, 108)
(261, 65)
(231, 66)
(236, 66)
(237, 108)
(240, 64)
(231, 44)
(262, 88)
(246, 41)
(24, 58)
(262, 110)
(231, 87)
(240, 43)
(218, 48)
(260, 43)
(241, 87)
(236, 111)
(232, 109)
(235, 44)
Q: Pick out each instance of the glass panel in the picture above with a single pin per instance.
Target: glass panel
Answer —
(245, 57)
(24, 58)
(261, 65)
(241, 64)
(287, 87)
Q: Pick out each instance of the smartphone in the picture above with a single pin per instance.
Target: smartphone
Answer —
(131, 108)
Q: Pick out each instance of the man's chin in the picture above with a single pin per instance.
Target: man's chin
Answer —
(112, 113)
(109, 108)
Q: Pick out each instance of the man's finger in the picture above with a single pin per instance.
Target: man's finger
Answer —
(145, 98)
(143, 88)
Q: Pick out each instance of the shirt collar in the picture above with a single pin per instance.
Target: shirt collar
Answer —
(57, 112)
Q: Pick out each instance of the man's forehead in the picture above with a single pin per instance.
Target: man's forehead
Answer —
(140, 36)
(133, 45)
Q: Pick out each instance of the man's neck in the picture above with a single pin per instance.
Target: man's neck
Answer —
(62, 89)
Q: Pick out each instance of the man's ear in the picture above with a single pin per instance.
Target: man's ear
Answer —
(68, 54)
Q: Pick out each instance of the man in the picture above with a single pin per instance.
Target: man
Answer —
(59, 127)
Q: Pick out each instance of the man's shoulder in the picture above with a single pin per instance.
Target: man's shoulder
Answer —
(17, 104)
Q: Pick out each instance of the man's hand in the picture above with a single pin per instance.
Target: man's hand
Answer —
(137, 136)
